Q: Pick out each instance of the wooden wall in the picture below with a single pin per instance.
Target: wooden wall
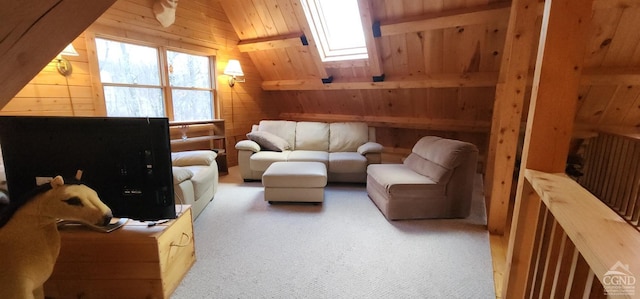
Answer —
(49, 92)
(439, 79)
(32, 32)
(440, 60)
(610, 89)
(402, 116)
(200, 26)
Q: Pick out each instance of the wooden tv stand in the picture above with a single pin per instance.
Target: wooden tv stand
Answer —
(134, 261)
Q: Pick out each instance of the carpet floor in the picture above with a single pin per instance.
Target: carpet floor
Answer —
(344, 248)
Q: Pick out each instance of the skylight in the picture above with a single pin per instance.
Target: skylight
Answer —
(336, 27)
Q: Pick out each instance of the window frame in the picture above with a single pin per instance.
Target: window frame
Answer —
(165, 86)
(319, 30)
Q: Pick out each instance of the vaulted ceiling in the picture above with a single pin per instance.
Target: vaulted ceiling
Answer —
(433, 54)
(437, 44)
(419, 44)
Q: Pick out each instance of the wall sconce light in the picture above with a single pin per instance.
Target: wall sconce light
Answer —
(234, 70)
(62, 64)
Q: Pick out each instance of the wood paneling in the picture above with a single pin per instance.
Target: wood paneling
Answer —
(427, 45)
(459, 50)
(428, 69)
(50, 93)
(200, 27)
(440, 77)
(461, 37)
(33, 32)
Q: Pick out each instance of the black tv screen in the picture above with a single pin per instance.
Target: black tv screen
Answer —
(126, 160)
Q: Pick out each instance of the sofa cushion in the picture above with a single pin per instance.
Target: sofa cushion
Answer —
(295, 175)
(187, 158)
(390, 174)
(347, 137)
(309, 156)
(283, 128)
(435, 157)
(398, 180)
(269, 141)
(312, 136)
(262, 160)
(427, 168)
(181, 174)
(347, 162)
(446, 152)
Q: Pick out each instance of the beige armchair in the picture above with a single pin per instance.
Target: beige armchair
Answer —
(435, 181)
(195, 178)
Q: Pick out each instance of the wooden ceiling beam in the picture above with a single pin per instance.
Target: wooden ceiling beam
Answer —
(507, 111)
(581, 130)
(480, 79)
(610, 76)
(375, 60)
(592, 76)
(447, 125)
(606, 4)
(273, 42)
(313, 48)
(493, 13)
(550, 123)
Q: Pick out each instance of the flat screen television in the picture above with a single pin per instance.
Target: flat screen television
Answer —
(126, 160)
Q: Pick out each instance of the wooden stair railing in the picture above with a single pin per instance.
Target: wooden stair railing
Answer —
(568, 244)
(612, 173)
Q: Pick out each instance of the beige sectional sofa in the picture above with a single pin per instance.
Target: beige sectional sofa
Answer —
(346, 148)
(195, 178)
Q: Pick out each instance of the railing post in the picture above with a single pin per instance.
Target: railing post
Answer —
(518, 278)
(556, 80)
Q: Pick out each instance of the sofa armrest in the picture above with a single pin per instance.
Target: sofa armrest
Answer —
(190, 158)
(248, 145)
(181, 174)
(370, 148)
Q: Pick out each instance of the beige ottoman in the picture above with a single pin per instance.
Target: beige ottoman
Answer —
(295, 182)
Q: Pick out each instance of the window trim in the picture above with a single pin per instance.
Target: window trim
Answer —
(164, 86)
(319, 30)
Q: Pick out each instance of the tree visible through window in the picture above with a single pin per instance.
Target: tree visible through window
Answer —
(191, 86)
(133, 82)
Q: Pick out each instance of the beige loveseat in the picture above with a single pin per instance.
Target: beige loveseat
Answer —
(346, 148)
(435, 181)
(195, 178)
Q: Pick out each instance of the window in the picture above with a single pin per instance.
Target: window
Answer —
(134, 84)
(336, 26)
(190, 82)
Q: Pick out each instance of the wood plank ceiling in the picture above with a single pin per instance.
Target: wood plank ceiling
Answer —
(440, 60)
(411, 58)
